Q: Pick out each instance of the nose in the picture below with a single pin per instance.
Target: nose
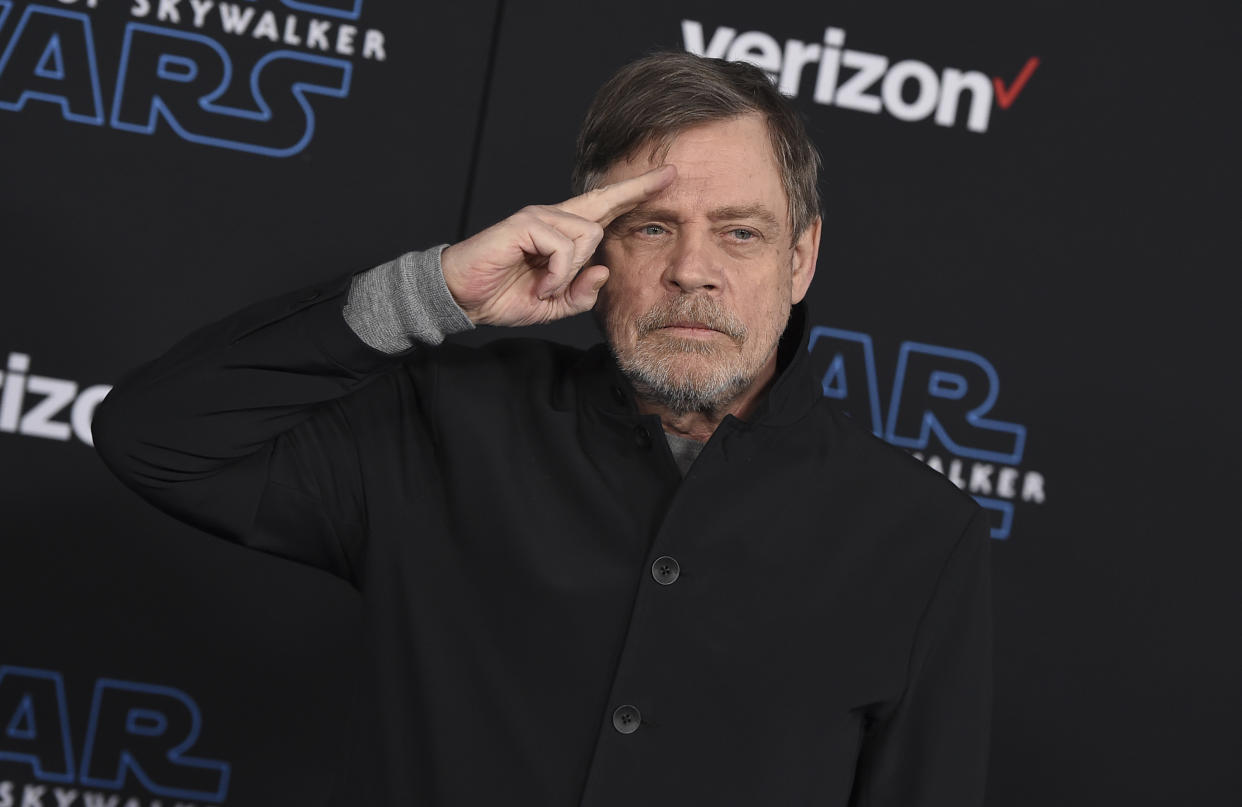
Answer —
(693, 266)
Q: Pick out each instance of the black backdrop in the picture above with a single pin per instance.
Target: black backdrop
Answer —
(1033, 298)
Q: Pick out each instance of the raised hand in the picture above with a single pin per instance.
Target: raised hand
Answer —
(529, 268)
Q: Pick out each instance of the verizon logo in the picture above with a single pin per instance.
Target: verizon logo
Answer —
(908, 90)
(41, 406)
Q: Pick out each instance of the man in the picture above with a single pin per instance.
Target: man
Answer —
(660, 571)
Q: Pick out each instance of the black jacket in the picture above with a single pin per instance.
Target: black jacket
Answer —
(556, 616)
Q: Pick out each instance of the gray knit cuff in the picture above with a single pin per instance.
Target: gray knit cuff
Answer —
(403, 302)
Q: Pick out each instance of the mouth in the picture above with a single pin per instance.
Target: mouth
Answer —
(691, 320)
(688, 328)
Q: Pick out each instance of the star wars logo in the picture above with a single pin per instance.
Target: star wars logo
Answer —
(938, 408)
(139, 737)
(908, 90)
(230, 75)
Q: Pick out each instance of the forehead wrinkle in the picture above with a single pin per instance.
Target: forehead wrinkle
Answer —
(756, 211)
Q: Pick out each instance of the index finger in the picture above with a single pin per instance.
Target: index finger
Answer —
(602, 205)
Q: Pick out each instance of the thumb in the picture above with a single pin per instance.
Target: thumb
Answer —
(584, 290)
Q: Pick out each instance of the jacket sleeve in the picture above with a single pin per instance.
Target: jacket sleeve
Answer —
(931, 748)
(238, 429)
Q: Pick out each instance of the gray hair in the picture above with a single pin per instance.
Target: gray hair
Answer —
(650, 101)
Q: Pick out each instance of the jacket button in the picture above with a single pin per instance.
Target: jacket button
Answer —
(666, 570)
(626, 719)
(641, 438)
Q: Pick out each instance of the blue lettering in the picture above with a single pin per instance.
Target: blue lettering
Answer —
(850, 376)
(51, 57)
(52, 63)
(146, 730)
(179, 76)
(948, 392)
(345, 9)
(1002, 509)
(36, 721)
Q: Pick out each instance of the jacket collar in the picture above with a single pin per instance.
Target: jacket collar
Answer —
(791, 395)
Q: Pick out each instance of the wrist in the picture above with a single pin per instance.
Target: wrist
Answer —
(451, 273)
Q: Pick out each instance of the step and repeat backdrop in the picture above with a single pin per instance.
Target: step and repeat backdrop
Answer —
(1030, 216)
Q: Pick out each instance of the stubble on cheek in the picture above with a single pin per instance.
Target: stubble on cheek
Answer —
(684, 373)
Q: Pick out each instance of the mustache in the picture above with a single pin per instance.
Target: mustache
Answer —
(697, 309)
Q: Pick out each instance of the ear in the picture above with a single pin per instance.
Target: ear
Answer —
(805, 254)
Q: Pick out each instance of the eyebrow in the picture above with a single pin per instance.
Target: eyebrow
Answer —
(756, 212)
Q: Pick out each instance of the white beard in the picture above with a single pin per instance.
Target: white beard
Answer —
(685, 374)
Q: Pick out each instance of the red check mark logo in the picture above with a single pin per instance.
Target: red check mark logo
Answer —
(1005, 96)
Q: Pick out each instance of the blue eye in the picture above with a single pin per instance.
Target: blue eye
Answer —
(741, 235)
(651, 229)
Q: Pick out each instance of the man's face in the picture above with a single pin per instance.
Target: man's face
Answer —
(702, 276)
